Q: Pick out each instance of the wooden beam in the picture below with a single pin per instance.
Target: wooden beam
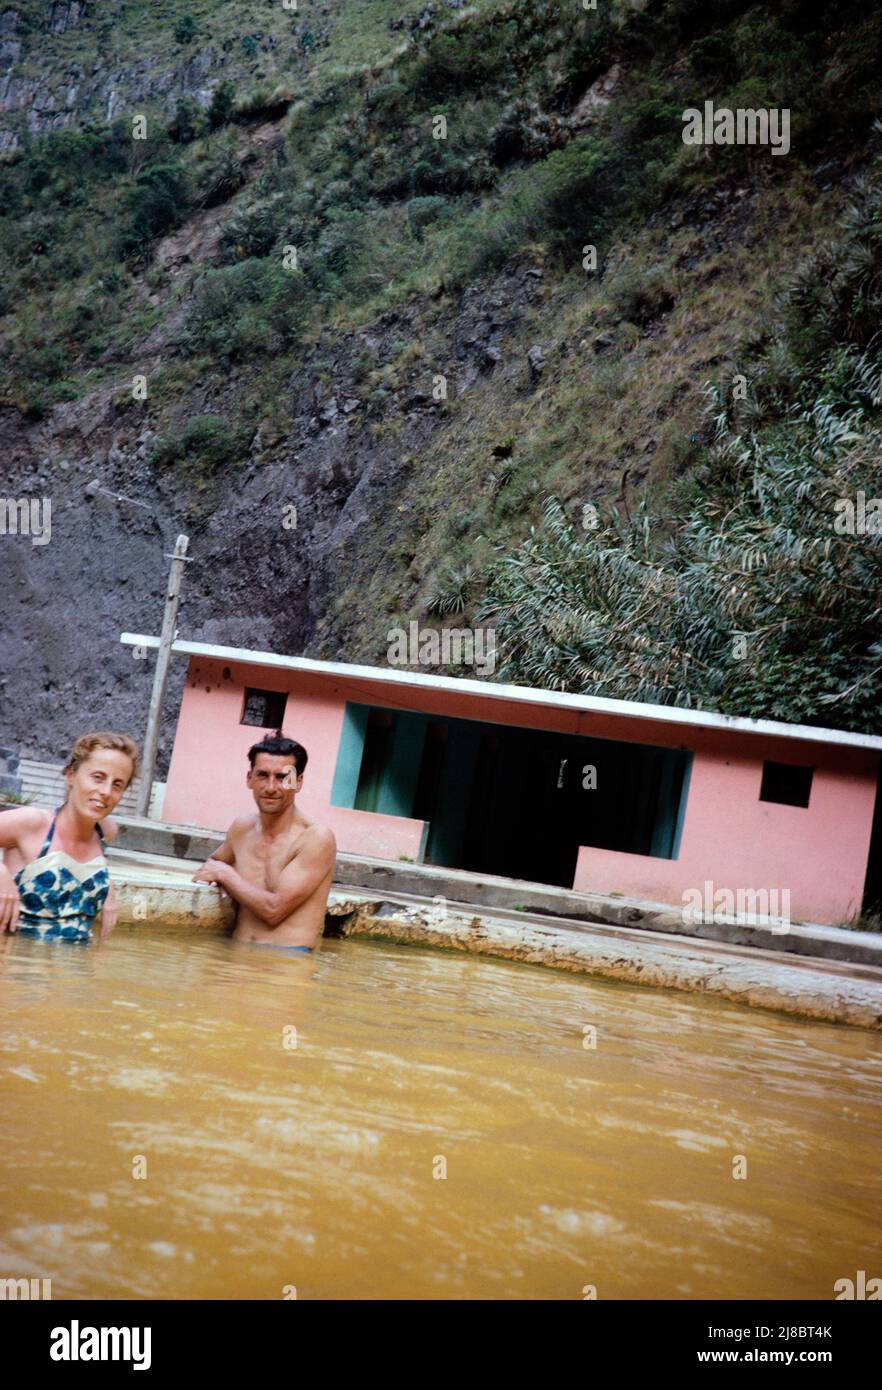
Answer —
(160, 675)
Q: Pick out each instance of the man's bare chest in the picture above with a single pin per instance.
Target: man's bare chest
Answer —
(262, 860)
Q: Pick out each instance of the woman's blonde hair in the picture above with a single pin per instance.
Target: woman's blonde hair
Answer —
(86, 745)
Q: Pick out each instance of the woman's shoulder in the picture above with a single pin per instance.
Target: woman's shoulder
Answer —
(26, 818)
(22, 826)
(41, 818)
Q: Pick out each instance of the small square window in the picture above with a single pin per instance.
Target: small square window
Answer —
(264, 708)
(786, 783)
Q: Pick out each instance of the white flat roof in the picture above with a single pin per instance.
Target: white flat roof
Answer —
(525, 694)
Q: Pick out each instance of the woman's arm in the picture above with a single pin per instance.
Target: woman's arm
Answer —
(10, 902)
(14, 826)
(110, 910)
(109, 914)
(110, 828)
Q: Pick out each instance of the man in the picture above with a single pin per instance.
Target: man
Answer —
(277, 865)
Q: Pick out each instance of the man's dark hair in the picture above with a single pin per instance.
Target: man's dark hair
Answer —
(280, 746)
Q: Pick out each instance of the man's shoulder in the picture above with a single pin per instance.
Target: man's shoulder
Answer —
(240, 825)
(317, 837)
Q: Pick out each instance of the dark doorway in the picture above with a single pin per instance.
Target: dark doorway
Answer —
(872, 902)
(520, 802)
(511, 801)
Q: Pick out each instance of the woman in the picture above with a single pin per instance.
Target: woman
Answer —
(54, 879)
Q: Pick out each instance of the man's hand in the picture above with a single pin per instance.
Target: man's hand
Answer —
(109, 914)
(10, 902)
(212, 871)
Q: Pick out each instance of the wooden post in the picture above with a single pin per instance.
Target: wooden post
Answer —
(160, 675)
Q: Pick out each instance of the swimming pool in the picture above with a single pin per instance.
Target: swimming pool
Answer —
(314, 1160)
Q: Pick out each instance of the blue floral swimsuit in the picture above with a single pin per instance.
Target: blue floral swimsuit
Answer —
(60, 897)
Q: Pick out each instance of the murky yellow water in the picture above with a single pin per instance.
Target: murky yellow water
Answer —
(270, 1165)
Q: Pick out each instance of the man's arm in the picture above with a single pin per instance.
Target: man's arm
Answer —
(224, 854)
(299, 878)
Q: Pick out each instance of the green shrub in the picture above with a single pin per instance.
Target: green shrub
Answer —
(470, 57)
(250, 309)
(221, 175)
(422, 211)
(571, 197)
(207, 441)
(263, 102)
(492, 235)
(188, 122)
(711, 57)
(158, 202)
(253, 230)
(45, 363)
(223, 102)
(586, 54)
(185, 29)
(49, 170)
(335, 196)
(640, 296)
(61, 391)
(387, 101)
(338, 251)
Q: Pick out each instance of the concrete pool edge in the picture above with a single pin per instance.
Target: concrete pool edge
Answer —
(831, 992)
(754, 978)
(492, 897)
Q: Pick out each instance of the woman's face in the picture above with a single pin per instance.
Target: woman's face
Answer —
(96, 786)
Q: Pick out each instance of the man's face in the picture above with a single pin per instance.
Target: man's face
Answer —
(274, 782)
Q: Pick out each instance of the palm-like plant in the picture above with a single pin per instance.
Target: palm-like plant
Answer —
(755, 605)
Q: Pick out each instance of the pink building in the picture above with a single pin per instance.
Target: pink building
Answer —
(608, 796)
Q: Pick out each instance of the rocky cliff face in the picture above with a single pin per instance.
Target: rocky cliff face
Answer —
(592, 387)
(45, 85)
(346, 466)
(72, 61)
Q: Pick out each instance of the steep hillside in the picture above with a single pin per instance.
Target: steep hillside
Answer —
(441, 354)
